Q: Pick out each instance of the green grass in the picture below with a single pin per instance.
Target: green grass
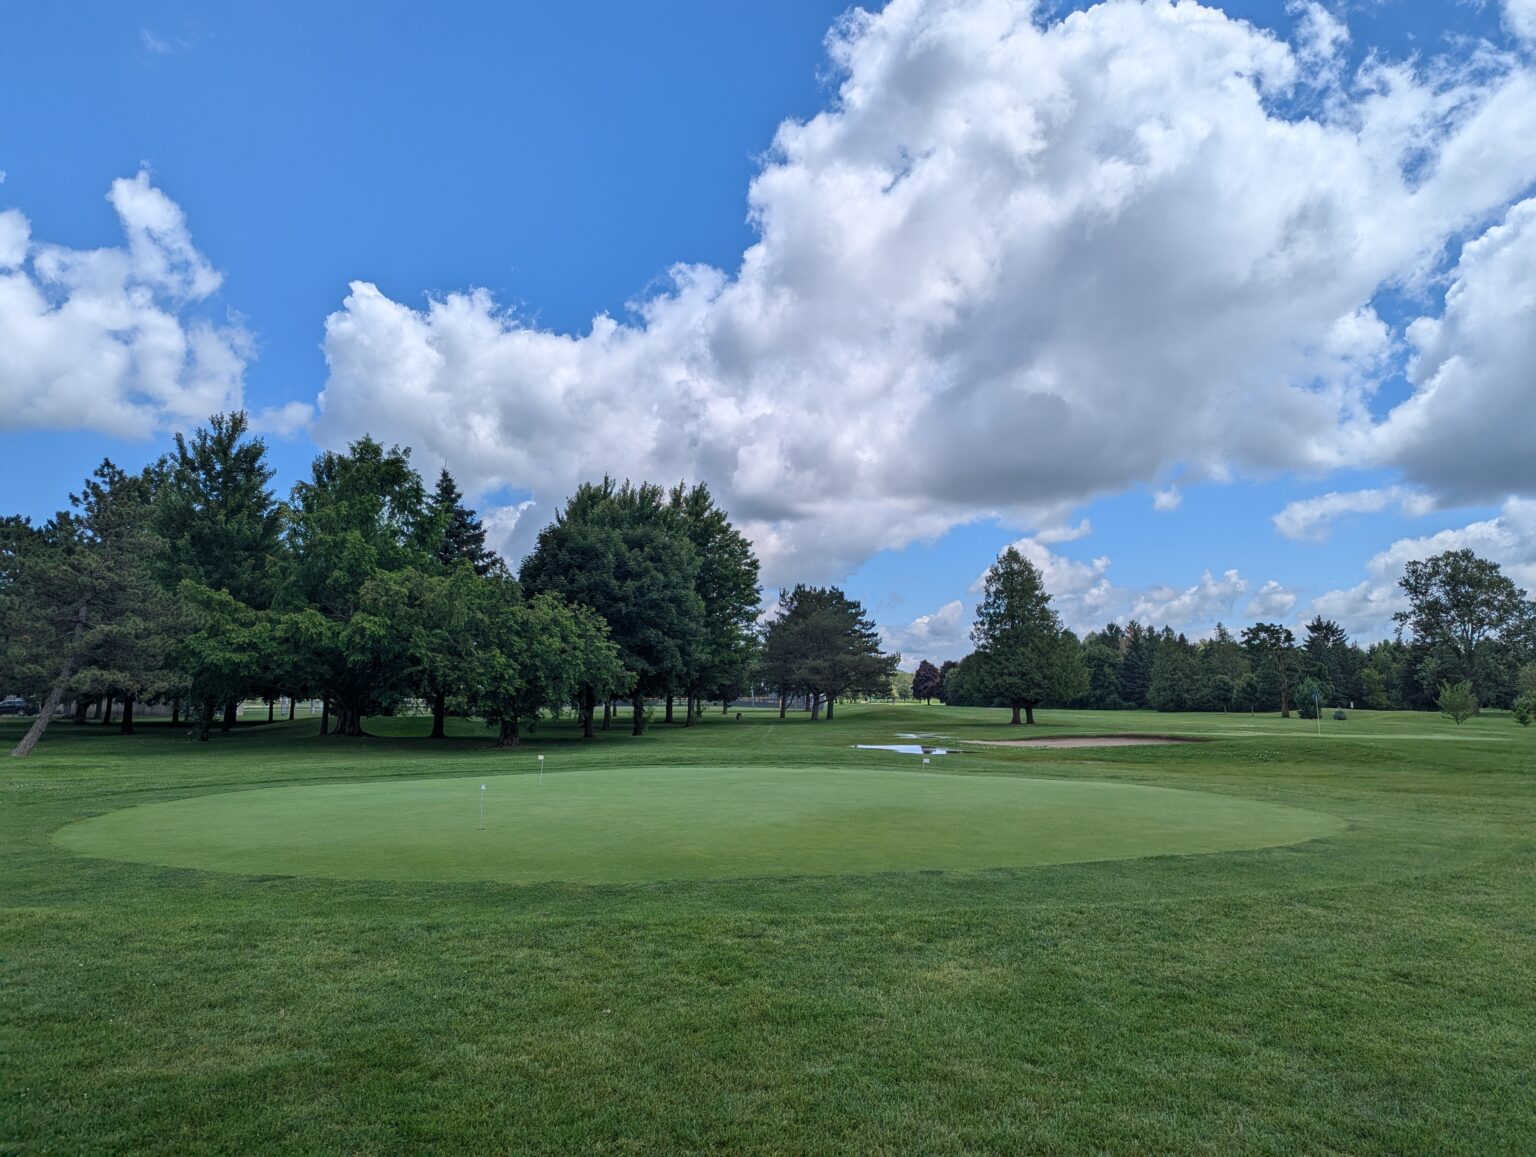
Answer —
(1369, 990)
(630, 825)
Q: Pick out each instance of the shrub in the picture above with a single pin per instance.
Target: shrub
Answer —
(1525, 709)
(1456, 700)
(1338, 713)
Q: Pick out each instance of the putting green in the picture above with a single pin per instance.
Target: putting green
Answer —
(608, 826)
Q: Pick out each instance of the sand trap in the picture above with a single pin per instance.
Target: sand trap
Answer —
(1084, 741)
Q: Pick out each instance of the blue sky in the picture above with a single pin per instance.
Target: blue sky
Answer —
(564, 159)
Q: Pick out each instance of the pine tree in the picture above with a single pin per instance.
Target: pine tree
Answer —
(460, 536)
(1024, 655)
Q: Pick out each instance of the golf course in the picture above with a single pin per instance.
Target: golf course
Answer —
(754, 934)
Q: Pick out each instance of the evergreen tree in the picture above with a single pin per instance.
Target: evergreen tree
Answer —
(455, 533)
(824, 646)
(1023, 653)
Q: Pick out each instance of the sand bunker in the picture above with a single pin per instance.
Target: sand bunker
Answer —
(1084, 741)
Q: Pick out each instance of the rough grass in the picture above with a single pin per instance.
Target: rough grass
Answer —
(1368, 991)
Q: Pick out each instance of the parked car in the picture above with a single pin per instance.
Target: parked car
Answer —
(16, 705)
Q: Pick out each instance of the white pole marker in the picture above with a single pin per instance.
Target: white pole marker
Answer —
(482, 807)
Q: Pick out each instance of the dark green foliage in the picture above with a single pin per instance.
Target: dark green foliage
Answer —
(621, 551)
(1474, 622)
(1525, 709)
(1271, 649)
(219, 521)
(453, 533)
(822, 645)
(359, 516)
(1023, 654)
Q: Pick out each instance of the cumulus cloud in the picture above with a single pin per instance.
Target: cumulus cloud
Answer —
(1520, 16)
(1165, 501)
(1200, 604)
(114, 339)
(1064, 533)
(1313, 518)
(1271, 601)
(1509, 539)
(944, 634)
(1468, 430)
(1017, 264)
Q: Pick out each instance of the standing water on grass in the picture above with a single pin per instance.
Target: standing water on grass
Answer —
(903, 748)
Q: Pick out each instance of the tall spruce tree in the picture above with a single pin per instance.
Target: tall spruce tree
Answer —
(457, 534)
(1023, 654)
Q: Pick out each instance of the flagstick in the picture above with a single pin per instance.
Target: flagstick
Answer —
(541, 771)
(482, 807)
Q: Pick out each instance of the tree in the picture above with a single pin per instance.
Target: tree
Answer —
(1525, 709)
(726, 583)
(359, 515)
(926, 682)
(1273, 651)
(454, 533)
(1023, 653)
(621, 551)
(539, 654)
(823, 645)
(1176, 678)
(944, 669)
(1456, 701)
(90, 615)
(1461, 607)
(1138, 652)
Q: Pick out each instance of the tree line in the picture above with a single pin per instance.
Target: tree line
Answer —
(190, 584)
(1467, 626)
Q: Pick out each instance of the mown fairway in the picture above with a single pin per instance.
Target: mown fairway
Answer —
(1370, 989)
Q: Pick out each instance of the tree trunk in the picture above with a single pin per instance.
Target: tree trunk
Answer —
(588, 710)
(668, 718)
(439, 713)
(96, 707)
(688, 713)
(509, 736)
(271, 707)
(205, 723)
(607, 714)
(81, 707)
(293, 707)
(230, 708)
(325, 717)
(637, 725)
(725, 707)
(175, 712)
(106, 712)
(830, 701)
(783, 703)
(1015, 721)
(55, 694)
(815, 705)
(349, 721)
(1029, 714)
(127, 727)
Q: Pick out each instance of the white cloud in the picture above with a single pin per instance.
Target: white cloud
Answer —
(500, 524)
(944, 634)
(1065, 533)
(1203, 603)
(1520, 16)
(1167, 500)
(1508, 539)
(1016, 265)
(111, 339)
(1271, 601)
(1313, 518)
(285, 421)
(1469, 430)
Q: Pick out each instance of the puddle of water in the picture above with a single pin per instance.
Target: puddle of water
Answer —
(903, 748)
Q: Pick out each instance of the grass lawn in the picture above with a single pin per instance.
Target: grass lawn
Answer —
(758, 938)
